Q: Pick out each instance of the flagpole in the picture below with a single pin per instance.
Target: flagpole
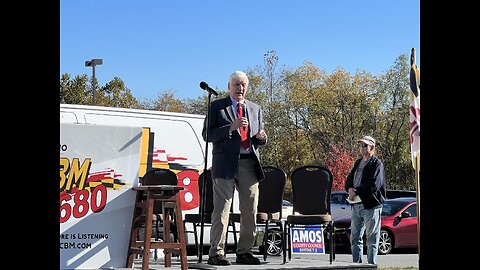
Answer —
(417, 180)
(415, 134)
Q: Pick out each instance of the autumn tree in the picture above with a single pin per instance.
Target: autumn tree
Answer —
(306, 99)
(311, 117)
(340, 163)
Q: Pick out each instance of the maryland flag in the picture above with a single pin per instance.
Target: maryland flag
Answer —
(414, 110)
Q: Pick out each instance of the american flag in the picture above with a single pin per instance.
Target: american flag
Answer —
(414, 109)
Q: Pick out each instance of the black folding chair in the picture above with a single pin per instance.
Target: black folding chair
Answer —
(270, 209)
(311, 190)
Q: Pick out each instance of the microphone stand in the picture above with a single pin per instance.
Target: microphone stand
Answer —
(200, 265)
(204, 187)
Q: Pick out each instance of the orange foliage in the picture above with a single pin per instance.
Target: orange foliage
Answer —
(339, 162)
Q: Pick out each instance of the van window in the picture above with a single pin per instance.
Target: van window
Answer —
(175, 141)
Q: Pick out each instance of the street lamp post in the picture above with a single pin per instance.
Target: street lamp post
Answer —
(92, 63)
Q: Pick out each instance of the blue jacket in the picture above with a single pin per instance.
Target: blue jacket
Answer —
(226, 148)
(372, 189)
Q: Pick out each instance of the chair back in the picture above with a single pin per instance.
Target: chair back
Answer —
(159, 176)
(311, 190)
(206, 177)
(271, 190)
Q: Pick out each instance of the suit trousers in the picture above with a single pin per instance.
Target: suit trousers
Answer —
(246, 183)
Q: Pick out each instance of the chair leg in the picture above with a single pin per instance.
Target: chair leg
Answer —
(331, 245)
(234, 228)
(226, 241)
(289, 245)
(265, 241)
(280, 224)
(174, 228)
(332, 242)
(195, 235)
(166, 235)
(334, 247)
(157, 231)
(285, 237)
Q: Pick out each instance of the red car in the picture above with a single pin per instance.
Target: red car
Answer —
(398, 230)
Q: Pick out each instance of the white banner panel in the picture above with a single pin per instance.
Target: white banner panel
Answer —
(98, 166)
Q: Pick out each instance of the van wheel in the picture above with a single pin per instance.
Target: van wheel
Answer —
(385, 245)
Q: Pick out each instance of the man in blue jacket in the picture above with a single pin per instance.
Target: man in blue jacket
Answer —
(236, 130)
(365, 185)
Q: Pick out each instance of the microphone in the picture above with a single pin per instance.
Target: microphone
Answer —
(205, 86)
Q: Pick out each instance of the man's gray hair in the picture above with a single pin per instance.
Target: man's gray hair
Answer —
(237, 74)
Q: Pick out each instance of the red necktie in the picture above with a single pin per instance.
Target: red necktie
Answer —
(243, 130)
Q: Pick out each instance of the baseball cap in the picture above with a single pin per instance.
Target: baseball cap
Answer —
(368, 140)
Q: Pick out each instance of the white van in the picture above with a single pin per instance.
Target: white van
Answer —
(177, 145)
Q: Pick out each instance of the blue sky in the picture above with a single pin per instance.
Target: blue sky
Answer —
(155, 46)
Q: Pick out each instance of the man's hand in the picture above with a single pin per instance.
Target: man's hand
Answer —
(238, 123)
(261, 135)
(351, 193)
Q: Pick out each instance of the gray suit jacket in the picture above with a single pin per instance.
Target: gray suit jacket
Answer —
(226, 148)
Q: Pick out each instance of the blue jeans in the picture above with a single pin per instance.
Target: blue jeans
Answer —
(365, 221)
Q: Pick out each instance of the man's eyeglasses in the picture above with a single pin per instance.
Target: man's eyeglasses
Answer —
(364, 145)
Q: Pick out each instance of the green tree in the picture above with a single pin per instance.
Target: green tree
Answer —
(393, 125)
(265, 89)
(166, 101)
(311, 117)
(199, 105)
(73, 91)
(350, 108)
(116, 94)
(79, 91)
(306, 98)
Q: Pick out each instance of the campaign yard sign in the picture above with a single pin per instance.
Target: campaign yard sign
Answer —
(307, 239)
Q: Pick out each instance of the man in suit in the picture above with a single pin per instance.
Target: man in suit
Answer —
(236, 130)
